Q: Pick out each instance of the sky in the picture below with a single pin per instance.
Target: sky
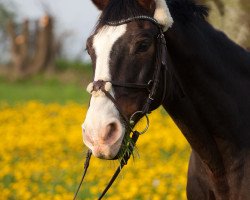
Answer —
(76, 16)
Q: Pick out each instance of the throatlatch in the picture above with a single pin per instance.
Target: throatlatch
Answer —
(102, 87)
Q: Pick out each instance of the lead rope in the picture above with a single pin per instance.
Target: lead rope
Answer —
(124, 161)
(86, 166)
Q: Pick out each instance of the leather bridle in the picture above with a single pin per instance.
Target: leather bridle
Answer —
(151, 87)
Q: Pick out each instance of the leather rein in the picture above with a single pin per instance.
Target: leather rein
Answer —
(151, 87)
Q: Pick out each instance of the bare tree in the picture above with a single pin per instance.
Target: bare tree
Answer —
(29, 57)
(6, 13)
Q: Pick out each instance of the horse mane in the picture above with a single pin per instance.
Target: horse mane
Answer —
(184, 10)
(187, 10)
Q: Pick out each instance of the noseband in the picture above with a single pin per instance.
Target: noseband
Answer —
(101, 87)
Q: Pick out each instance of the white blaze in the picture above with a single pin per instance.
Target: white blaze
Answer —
(103, 44)
(101, 110)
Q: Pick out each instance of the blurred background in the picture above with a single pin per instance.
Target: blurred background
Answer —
(44, 70)
(42, 40)
(42, 48)
(42, 44)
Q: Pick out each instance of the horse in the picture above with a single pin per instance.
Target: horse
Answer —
(204, 87)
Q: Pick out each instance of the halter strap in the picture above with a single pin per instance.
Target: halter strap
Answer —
(137, 18)
(86, 166)
(132, 85)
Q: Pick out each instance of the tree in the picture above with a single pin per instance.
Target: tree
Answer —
(6, 13)
(32, 52)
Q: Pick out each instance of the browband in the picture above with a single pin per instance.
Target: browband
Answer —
(136, 18)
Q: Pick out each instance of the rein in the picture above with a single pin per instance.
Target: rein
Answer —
(151, 87)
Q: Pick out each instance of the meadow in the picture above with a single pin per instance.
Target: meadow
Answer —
(42, 153)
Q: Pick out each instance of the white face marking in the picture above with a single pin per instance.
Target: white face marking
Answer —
(102, 111)
(103, 44)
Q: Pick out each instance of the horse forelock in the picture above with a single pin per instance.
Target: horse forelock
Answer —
(118, 10)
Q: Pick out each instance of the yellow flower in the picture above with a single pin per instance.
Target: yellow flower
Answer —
(41, 157)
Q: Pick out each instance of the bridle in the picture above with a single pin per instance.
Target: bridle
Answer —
(151, 87)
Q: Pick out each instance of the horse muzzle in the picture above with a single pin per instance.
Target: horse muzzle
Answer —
(104, 141)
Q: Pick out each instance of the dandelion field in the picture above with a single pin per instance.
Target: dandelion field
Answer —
(42, 156)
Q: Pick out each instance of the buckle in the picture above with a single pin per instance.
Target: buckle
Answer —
(132, 122)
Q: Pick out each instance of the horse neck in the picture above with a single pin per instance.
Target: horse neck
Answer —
(202, 59)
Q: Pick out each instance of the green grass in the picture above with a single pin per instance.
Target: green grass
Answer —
(62, 64)
(16, 93)
(67, 84)
(47, 92)
(51, 89)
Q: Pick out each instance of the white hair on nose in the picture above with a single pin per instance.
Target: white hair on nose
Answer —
(101, 108)
(103, 43)
(162, 14)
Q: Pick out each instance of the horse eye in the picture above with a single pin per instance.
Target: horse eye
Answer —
(143, 46)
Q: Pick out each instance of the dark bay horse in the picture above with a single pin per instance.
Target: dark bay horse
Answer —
(208, 89)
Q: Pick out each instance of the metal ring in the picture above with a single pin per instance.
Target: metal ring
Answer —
(133, 123)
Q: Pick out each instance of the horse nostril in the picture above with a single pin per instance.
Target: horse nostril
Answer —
(110, 132)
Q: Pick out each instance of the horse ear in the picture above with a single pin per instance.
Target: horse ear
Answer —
(162, 14)
(159, 10)
(148, 5)
(100, 4)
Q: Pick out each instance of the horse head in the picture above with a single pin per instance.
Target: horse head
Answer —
(123, 50)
